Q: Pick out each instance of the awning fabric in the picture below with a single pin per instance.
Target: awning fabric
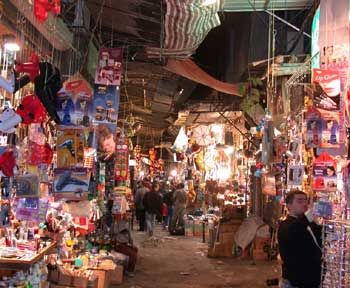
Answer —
(187, 23)
(188, 69)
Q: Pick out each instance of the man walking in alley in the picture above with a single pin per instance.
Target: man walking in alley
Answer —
(140, 209)
(299, 240)
(180, 199)
(152, 201)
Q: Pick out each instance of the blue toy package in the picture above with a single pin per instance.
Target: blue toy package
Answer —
(323, 209)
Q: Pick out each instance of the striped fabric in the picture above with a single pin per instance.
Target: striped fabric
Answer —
(187, 23)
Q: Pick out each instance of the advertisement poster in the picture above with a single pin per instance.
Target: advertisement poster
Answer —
(72, 184)
(70, 147)
(109, 66)
(327, 89)
(74, 102)
(330, 129)
(122, 159)
(324, 173)
(313, 128)
(105, 104)
(105, 139)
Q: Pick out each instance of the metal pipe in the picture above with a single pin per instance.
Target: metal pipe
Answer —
(286, 22)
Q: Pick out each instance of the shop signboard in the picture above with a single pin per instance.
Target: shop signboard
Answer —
(109, 66)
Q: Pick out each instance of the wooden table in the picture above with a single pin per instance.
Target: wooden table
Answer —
(23, 264)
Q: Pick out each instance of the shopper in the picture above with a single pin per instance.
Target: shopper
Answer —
(152, 201)
(168, 200)
(180, 199)
(299, 240)
(140, 209)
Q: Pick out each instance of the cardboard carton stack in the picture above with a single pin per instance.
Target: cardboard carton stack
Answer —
(226, 233)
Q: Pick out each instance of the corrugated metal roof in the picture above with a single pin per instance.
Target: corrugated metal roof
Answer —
(260, 5)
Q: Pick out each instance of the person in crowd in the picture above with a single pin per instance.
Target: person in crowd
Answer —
(180, 200)
(152, 201)
(140, 209)
(299, 239)
(168, 200)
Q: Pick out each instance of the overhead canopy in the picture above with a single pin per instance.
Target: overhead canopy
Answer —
(261, 5)
(190, 70)
(187, 23)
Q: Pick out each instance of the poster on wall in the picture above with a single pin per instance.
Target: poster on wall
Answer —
(70, 147)
(122, 159)
(74, 101)
(105, 104)
(109, 66)
(327, 89)
(324, 173)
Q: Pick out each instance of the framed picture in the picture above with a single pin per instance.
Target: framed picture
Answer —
(27, 186)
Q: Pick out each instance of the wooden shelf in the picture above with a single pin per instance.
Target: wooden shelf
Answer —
(19, 264)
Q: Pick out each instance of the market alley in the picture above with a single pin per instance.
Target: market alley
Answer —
(179, 261)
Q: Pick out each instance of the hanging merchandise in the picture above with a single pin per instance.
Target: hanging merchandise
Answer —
(39, 154)
(74, 102)
(295, 175)
(325, 173)
(269, 184)
(30, 68)
(70, 147)
(313, 128)
(31, 110)
(267, 148)
(15, 83)
(31, 209)
(27, 186)
(71, 184)
(43, 7)
(105, 104)
(327, 89)
(122, 159)
(9, 119)
(7, 163)
(47, 85)
(109, 68)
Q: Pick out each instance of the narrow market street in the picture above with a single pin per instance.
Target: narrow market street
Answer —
(179, 261)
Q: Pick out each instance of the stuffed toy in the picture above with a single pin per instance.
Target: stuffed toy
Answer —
(31, 110)
(7, 163)
(47, 84)
(43, 7)
(31, 68)
(9, 119)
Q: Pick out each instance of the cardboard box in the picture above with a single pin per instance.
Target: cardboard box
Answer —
(227, 237)
(116, 275)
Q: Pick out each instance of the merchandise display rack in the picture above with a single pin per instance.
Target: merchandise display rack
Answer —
(336, 254)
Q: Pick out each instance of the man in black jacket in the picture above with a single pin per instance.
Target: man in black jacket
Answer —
(299, 240)
(152, 201)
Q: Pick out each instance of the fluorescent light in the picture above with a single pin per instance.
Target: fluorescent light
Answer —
(209, 2)
(12, 47)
